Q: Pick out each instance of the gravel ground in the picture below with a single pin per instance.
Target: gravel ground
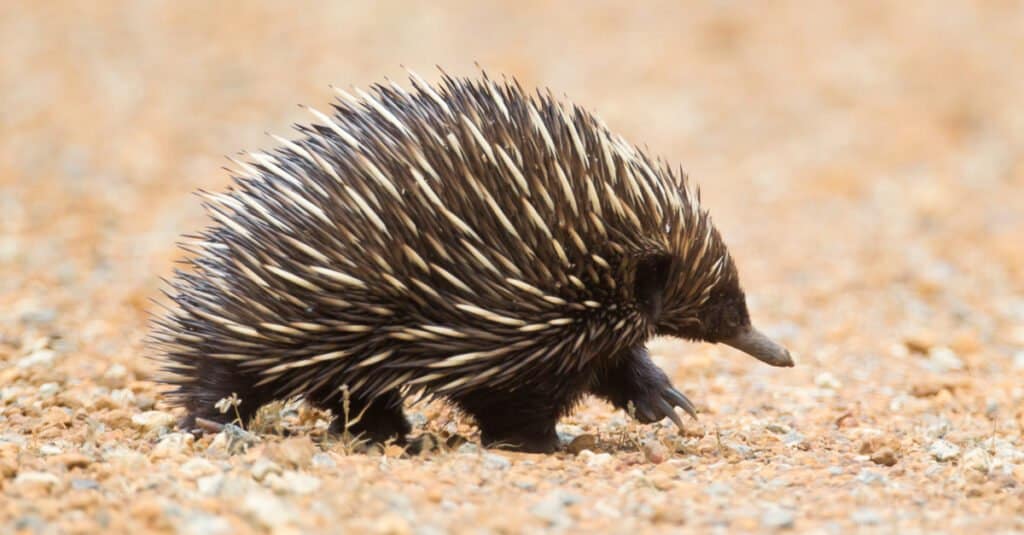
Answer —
(864, 162)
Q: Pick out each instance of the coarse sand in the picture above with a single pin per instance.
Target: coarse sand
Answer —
(863, 160)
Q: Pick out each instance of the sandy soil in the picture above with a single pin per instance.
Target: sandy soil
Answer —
(865, 163)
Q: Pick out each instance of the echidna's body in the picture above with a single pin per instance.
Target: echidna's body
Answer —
(471, 242)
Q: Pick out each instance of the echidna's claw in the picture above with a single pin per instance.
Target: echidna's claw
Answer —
(679, 400)
(670, 411)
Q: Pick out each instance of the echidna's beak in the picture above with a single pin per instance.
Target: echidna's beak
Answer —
(759, 346)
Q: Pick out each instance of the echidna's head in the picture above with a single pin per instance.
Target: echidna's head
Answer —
(708, 305)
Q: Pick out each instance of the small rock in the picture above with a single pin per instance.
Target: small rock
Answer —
(827, 381)
(154, 421)
(49, 450)
(595, 460)
(977, 459)
(72, 460)
(42, 357)
(323, 461)
(232, 440)
(292, 482)
(943, 450)
(264, 467)
(210, 485)
(115, 376)
(122, 396)
(778, 518)
(779, 429)
(885, 456)
(392, 524)
(205, 523)
(654, 451)
(39, 481)
(173, 444)
(496, 462)
(48, 390)
(197, 467)
(294, 452)
(552, 508)
(84, 484)
(582, 442)
(944, 359)
(866, 517)
(718, 488)
(127, 459)
(268, 510)
(1018, 360)
(870, 477)
(920, 342)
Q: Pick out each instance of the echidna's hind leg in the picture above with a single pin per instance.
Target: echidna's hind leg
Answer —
(214, 384)
(633, 379)
(378, 419)
(519, 421)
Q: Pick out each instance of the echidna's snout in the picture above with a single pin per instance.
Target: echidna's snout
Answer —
(759, 346)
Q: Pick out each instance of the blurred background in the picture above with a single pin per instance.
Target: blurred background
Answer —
(864, 161)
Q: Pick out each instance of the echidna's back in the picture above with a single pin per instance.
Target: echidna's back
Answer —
(437, 239)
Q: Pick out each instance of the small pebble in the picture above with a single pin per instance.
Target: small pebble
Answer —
(943, 450)
(552, 508)
(40, 357)
(292, 482)
(871, 477)
(41, 481)
(84, 484)
(323, 461)
(582, 442)
(262, 468)
(866, 517)
(154, 421)
(594, 460)
(884, 456)
(496, 462)
(48, 390)
(210, 485)
(268, 510)
(827, 381)
(778, 518)
(173, 444)
(654, 451)
(293, 452)
(978, 460)
(944, 359)
(197, 467)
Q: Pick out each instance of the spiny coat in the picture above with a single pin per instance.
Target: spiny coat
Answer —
(470, 241)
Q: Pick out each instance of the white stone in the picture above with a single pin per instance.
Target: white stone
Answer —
(292, 482)
(197, 467)
(778, 518)
(39, 357)
(210, 485)
(943, 450)
(827, 381)
(173, 444)
(977, 459)
(267, 509)
(154, 421)
(262, 468)
(39, 480)
(594, 460)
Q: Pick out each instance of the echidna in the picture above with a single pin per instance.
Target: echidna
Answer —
(473, 242)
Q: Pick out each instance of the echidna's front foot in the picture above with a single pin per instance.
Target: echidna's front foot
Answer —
(657, 404)
(634, 383)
